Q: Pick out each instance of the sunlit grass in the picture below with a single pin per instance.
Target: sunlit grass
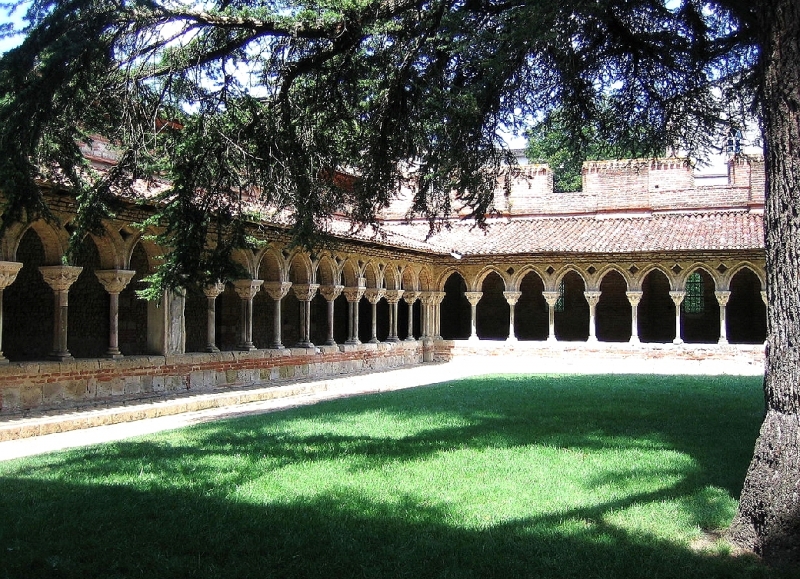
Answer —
(525, 476)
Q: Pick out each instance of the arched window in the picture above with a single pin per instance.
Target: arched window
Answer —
(559, 307)
(693, 302)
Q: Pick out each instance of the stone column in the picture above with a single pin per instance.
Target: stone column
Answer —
(304, 294)
(247, 289)
(60, 278)
(410, 297)
(438, 298)
(426, 299)
(114, 281)
(551, 298)
(764, 297)
(677, 298)
(373, 296)
(277, 290)
(353, 296)
(512, 298)
(393, 298)
(8, 273)
(330, 293)
(212, 292)
(592, 297)
(722, 299)
(473, 298)
(634, 297)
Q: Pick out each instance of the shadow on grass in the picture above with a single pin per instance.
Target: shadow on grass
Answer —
(51, 526)
(120, 532)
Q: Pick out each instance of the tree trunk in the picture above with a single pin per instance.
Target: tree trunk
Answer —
(768, 520)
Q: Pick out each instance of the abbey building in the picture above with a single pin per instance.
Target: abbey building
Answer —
(644, 255)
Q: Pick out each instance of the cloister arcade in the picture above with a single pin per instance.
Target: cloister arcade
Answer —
(360, 294)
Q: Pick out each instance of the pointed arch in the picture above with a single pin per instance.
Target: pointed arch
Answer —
(272, 266)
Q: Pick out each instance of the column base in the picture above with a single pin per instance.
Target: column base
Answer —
(473, 338)
(634, 341)
(3, 359)
(410, 339)
(374, 341)
(355, 342)
(592, 340)
(677, 341)
(330, 343)
(247, 348)
(305, 344)
(114, 355)
(212, 349)
(551, 340)
(60, 356)
(277, 347)
(722, 342)
(512, 339)
(393, 339)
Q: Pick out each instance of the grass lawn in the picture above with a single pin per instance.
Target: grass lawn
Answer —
(506, 477)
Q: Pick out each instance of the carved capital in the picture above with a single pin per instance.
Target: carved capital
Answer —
(438, 297)
(677, 297)
(277, 290)
(305, 292)
(213, 290)
(592, 297)
(393, 296)
(473, 297)
(551, 298)
(426, 298)
(8, 273)
(374, 295)
(60, 277)
(354, 294)
(722, 297)
(634, 297)
(410, 296)
(512, 297)
(330, 292)
(247, 288)
(114, 280)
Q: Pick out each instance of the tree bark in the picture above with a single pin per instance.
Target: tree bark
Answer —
(768, 519)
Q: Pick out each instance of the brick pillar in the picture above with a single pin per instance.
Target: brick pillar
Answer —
(722, 299)
(60, 278)
(634, 297)
(512, 298)
(677, 298)
(114, 281)
(592, 297)
(353, 296)
(373, 296)
(473, 298)
(277, 290)
(330, 293)
(8, 273)
(551, 298)
(410, 297)
(212, 293)
(304, 294)
(393, 298)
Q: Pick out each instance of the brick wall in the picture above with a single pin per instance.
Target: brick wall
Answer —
(91, 382)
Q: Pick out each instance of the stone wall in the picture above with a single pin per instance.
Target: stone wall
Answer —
(94, 382)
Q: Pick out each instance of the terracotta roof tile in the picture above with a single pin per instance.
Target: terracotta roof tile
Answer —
(675, 232)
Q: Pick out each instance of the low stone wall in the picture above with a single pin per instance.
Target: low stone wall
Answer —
(93, 382)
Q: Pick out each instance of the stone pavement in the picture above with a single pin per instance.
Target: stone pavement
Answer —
(26, 436)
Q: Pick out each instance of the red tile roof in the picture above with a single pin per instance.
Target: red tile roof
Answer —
(673, 232)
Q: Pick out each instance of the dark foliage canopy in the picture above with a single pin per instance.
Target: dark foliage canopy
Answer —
(232, 99)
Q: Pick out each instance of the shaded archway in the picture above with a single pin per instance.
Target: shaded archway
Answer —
(613, 312)
(28, 305)
(700, 309)
(455, 311)
(132, 309)
(493, 312)
(87, 333)
(531, 314)
(656, 309)
(572, 309)
(746, 312)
